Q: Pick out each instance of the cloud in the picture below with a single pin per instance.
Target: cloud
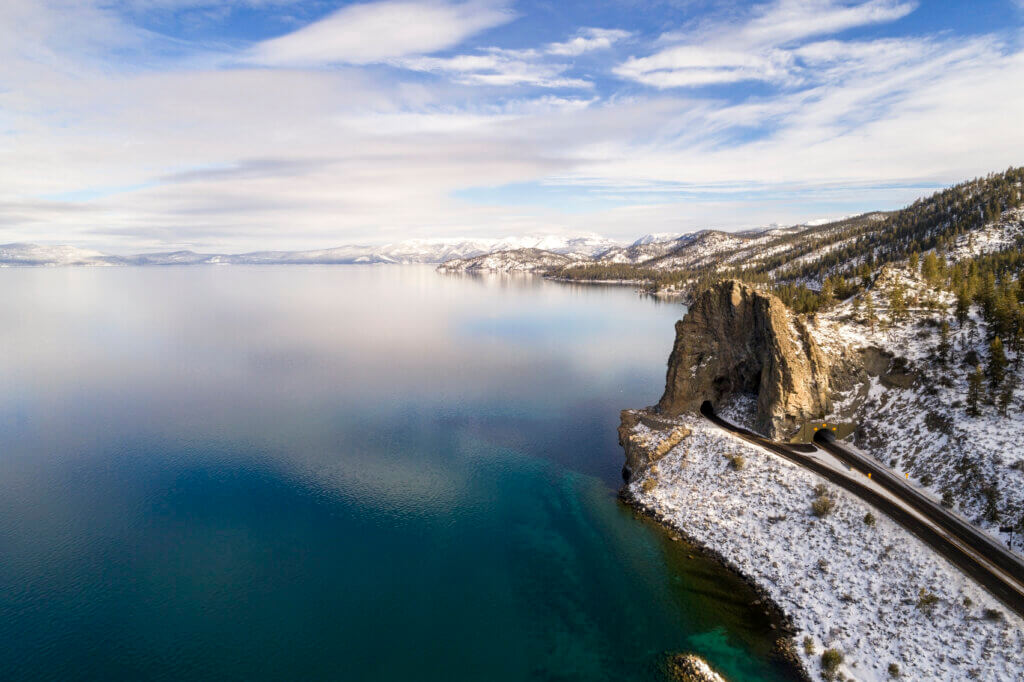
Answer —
(878, 112)
(587, 40)
(541, 68)
(497, 67)
(761, 49)
(688, 65)
(784, 21)
(378, 31)
(226, 155)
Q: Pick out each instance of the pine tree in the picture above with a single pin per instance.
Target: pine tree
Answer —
(827, 293)
(985, 294)
(913, 262)
(963, 305)
(930, 268)
(1005, 398)
(898, 301)
(975, 382)
(996, 364)
(1017, 338)
(869, 304)
(944, 346)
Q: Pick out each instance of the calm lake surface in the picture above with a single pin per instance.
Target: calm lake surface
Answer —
(343, 473)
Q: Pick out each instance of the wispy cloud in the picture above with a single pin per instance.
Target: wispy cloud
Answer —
(690, 65)
(376, 31)
(759, 49)
(497, 67)
(784, 21)
(543, 68)
(587, 40)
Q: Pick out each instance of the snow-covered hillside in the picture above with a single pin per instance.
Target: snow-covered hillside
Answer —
(520, 260)
(702, 249)
(921, 424)
(866, 588)
(646, 249)
(995, 236)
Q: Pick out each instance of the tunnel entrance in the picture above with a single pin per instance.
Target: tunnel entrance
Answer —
(813, 431)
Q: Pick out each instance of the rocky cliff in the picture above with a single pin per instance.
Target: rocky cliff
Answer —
(736, 339)
(646, 438)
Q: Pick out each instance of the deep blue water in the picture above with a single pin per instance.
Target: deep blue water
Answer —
(337, 473)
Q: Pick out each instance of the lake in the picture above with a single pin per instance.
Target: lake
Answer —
(340, 473)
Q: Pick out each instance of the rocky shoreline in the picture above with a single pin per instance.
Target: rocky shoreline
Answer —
(783, 651)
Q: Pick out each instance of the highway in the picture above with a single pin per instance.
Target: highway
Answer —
(979, 556)
(973, 536)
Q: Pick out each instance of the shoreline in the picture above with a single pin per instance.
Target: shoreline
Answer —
(911, 611)
(683, 297)
(783, 650)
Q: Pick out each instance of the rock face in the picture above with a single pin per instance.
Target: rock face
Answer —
(643, 450)
(738, 339)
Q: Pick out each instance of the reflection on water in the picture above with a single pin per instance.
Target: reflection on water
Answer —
(366, 473)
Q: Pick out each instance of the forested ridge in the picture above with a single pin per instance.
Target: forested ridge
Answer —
(812, 268)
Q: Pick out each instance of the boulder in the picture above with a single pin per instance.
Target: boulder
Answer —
(644, 449)
(737, 339)
(691, 668)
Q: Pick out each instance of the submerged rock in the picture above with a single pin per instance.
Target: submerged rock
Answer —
(736, 339)
(691, 668)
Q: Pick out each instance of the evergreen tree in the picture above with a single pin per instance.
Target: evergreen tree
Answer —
(1005, 398)
(1017, 335)
(942, 351)
(930, 268)
(985, 295)
(996, 364)
(963, 305)
(898, 301)
(828, 295)
(975, 382)
(913, 262)
(869, 305)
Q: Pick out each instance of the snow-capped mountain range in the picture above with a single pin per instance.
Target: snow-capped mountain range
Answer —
(660, 251)
(408, 251)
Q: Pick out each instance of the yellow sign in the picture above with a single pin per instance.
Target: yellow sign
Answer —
(807, 431)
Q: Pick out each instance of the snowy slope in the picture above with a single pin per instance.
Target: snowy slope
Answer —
(995, 236)
(646, 249)
(846, 584)
(925, 429)
(519, 260)
(704, 248)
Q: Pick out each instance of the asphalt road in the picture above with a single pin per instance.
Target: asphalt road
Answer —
(966, 547)
(973, 536)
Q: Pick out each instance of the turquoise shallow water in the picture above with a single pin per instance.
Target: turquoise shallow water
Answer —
(351, 473)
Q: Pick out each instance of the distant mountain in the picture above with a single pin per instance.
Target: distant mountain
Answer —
(408, 251)
(657, 237)
(34, 254)
(647, 248)
(518, 260)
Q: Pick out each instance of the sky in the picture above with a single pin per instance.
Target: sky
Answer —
(235, 125)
